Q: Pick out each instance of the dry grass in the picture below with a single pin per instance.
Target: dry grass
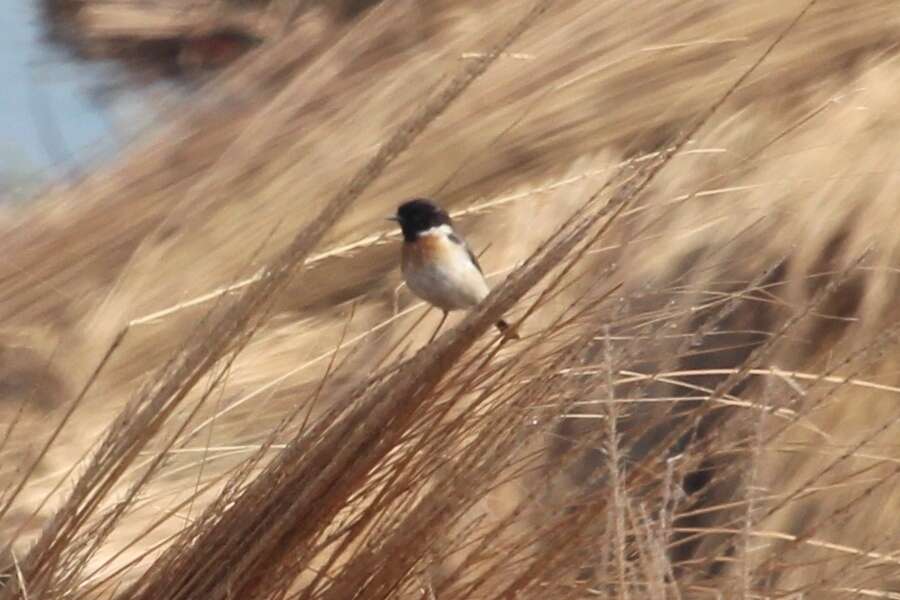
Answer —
(212, 387)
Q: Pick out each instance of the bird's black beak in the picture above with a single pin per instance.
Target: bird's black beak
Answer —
(393, 218)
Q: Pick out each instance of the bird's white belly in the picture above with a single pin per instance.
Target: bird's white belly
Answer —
(457, 287)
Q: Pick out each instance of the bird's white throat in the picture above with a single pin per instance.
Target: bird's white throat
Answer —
(441, 230)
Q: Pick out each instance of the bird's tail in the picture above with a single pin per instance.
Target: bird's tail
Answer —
(507, 330)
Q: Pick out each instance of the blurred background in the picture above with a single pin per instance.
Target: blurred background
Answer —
(739, 316)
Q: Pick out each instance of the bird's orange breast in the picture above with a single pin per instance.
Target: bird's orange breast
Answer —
(427, 250)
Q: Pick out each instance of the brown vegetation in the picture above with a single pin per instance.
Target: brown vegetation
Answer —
(214, 389)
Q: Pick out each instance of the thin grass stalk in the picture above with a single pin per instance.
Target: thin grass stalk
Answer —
(616, 477)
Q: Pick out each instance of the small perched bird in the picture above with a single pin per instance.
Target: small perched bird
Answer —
(437, 264)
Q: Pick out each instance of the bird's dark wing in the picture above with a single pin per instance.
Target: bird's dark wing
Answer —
(458, 240)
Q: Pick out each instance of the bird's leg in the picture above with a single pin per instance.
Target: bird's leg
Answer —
(441, 324)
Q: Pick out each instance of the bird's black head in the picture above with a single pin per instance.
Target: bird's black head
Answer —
(418, 215)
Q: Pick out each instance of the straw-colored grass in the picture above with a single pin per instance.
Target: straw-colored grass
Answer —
(212, 383)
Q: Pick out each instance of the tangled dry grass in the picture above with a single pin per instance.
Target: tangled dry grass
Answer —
(213, 387)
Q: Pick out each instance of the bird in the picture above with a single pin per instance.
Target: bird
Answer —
(437, 264)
